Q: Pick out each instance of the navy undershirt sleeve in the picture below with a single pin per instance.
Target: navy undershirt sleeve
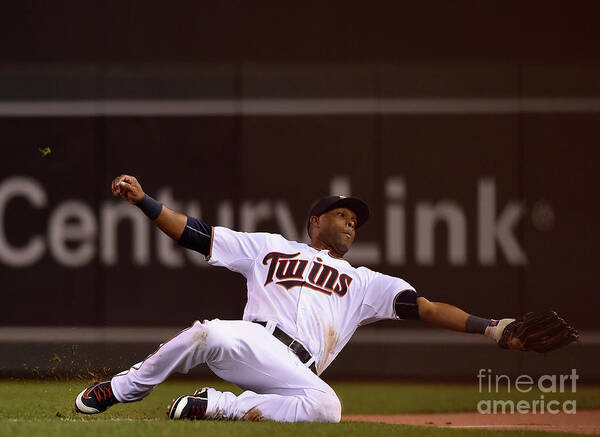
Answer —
(197, 236)
(405, 305)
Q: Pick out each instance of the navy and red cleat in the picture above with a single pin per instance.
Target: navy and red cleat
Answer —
(191, 407)
(95, 399)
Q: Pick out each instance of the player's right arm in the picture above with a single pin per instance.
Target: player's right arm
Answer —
(190, 232)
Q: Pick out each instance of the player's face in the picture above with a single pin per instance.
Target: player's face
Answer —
(338, 228)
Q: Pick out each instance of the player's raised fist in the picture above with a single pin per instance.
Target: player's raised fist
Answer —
(128, 188)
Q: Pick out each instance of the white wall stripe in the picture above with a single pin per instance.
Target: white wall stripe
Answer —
(292, 107)
(52, 334)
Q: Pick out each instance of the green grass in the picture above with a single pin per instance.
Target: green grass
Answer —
(45, 408)
(394, 398)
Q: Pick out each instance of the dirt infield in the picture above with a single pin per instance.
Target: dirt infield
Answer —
(582, 422)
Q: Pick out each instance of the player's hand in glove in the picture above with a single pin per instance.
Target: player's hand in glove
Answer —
(541, 332)
(128, 188)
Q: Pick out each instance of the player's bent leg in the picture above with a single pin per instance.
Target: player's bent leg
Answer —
(200, 343)
(183, 352)
(278, 386)
(310, 406)
(327, 408)
(208, 403)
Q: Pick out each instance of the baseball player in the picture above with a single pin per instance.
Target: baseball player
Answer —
(304, 303)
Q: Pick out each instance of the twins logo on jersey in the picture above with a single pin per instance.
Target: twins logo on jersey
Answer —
(290, 274)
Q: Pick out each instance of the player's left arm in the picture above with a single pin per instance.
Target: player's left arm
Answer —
(409, 304)
(451, 317)
(542, 332)
(442, 314)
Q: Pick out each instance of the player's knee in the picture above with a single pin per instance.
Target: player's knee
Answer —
(328, 408)
(219, 338)
(197, 334)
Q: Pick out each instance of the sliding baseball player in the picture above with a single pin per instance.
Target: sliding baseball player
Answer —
(305, 301)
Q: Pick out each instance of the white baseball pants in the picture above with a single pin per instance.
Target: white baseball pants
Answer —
(278, 386)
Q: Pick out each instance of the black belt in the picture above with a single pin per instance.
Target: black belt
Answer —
(294, 346)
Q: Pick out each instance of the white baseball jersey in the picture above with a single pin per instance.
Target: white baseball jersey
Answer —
(315, 298)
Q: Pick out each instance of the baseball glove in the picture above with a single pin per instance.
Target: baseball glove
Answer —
(541, 332)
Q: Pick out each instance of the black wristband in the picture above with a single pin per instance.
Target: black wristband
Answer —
(477, 325)
(151, 207)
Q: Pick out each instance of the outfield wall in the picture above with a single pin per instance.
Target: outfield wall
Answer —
(471, 132)
(479, 199)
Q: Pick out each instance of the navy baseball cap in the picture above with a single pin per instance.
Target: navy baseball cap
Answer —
(359, 207)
